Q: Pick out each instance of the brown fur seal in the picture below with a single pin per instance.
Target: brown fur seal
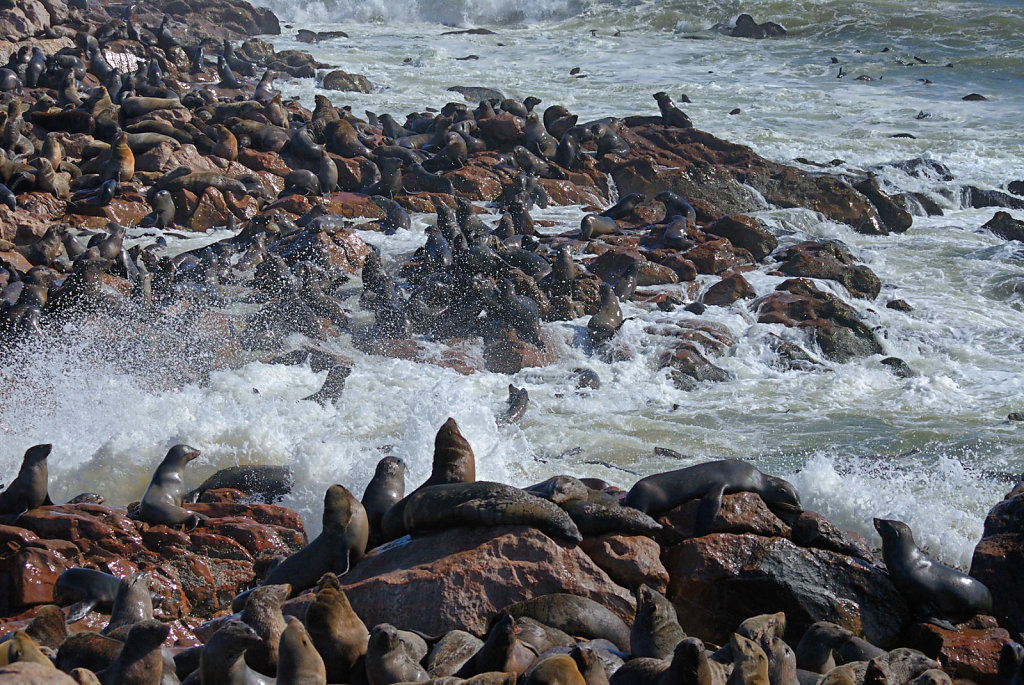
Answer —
(387, 660)
(939, 594)
(28, 490)
(161, 503)
(337, 632)
(451, 653)
(607, 320)
(198, 181)
(596, 518)
(502, 651)
(298, 661)
(385, 489)
(49, 181)
(575, 615)
(133, 603)
(484, 504)
(88, 650)
(781, 661)
(556, 669)
(750, 663)
(222, 660)
(141, 660)
(263, 612)
(339, 546)
(132, 107)
(47, 627)
(708, 482)
(121, 165)
(655, 631)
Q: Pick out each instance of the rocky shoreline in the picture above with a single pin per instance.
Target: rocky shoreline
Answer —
(116, 117)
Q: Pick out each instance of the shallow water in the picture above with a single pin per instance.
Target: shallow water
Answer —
(933, 450)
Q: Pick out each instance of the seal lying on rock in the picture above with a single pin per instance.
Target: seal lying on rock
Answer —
(708, 482)
(940, 594)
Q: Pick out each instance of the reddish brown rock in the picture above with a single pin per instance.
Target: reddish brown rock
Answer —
(476, 182)
(812, 530)
(728, 290)
(998, 558)
(970, 652)
(352, 206)
(629, 560)
(831, 261)
(651, 273)
(510, 354)
(893, 216)
(261, 160)
(577, 191)
(459, 577)
(683, 267)
(28, 673)
(716, 256)
(155, 159)
(343, 249)
(746, 232)
(719, 580)
(743, 512)
(32, 572)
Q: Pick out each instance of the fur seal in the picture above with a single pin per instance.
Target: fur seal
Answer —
(939, 594)
(749, 664)
(676, 206)
(579, 616)
(395, 216)
(385, 489)
(132, 107)
(222, 659)
(556, 669)
(298, 661)
(161, 503)
(49, 181)
(453, 457)
(624, 207)
(228, 79)
(607, 320)
(267, 483)
(28, 490)
(22, 648)
(387, 660)
(47, 627)
(484, 504)
(655, 631)
(121, 165)
(339, 546)
(263, 612)
(670, 114)
(141, 660)
(163, 212)
(85, 589)
(333, 385)
(518, 400)
(502, 651)
(709, 481)
(594, 225)
(337, 632)
(133, 603)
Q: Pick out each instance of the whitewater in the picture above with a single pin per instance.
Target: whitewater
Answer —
(934, 450)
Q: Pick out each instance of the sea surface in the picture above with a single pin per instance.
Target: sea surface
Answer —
(934, 450)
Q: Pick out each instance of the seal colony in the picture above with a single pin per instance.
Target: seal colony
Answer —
(533, 636)
(564, 581)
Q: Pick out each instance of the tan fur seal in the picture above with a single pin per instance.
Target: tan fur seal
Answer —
(28, 490)
(387, 661)
(781, 661)
(198, 181)
(502, 651)
(589, 663)
(385, 489)
(161, 503)
(263, 612)
(750, 663)
(47, 627)
(337, 632)
(339, 546)
(132, 107)
(595, 225)
(655, 631)
(52, 150)
(141, 660)
(557, 669)
(49, 181)
(21, 647)
(298, 662)
(121, 165)
(484, 504)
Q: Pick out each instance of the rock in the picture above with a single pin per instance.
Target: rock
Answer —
(832, 261)
(970, 652)
(688, 367)
(979, 199)
(741, 513)
(256, 50)
(835, 325)
(1005, 226)
(898, 367)
(728, 290)
(628, 560)
(510, 354)
(24, 19)
(29, 673)
(812, 530)
(716, 256)
(999, 556)
(343, 250)
(459, 577)
(31, 573)
(218, 19)
(892, 215)
(746, 27)
(721, 579)
(746, 232)
(344, 81)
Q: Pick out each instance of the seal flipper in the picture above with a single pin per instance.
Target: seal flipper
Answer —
(708, 510)
(79, 610)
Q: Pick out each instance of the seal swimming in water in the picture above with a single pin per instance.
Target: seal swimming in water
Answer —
(161, 503)
(940, 594)
(28, 490)
(607, 320)
(708, 482)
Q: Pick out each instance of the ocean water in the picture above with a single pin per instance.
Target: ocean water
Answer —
(934, 450)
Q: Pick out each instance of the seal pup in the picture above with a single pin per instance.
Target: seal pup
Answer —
(337, 632)
(939, 594)
(387, 660)
(161, 503)
(28, 490)
(263, 612)
(708, 482)
(385, 489)
(298, 661)
(655, 631)
(339, 546)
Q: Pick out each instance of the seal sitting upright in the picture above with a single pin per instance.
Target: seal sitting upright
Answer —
(940, 594)
(162, 500)
(708, 482)
(29, 488)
